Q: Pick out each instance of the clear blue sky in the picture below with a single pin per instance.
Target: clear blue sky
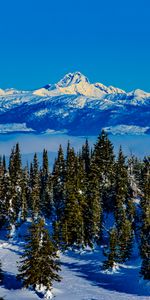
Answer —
(108, 41)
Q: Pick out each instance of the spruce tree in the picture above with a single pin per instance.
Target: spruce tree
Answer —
(125, 240)
(59, 184)
(3, 211)
(112, 251)
(4, 164)
(145, 227)
(15, 173)
(93, 209)
(35, 187)
(39, 266)
(103, 159)
(86, 156)
(45, 167)
(46, 198)
(123, 223)
(24, 194)
(72, 221)
(7, 207)
(46, 188)
(121, 187)
(1, 273)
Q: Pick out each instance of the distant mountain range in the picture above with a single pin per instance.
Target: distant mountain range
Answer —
(76, 106)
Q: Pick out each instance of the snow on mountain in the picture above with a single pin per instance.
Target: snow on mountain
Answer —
(72, 78)
(110, 89)
(125, 129)
(8, 92)
(14, 127)
(76, 83)
(77, 106)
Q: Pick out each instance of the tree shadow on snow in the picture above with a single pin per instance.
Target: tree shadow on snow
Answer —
(18, 252)
(10, 282)
(124, 281)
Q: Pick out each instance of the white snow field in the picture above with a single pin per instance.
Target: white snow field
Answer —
(82, 277)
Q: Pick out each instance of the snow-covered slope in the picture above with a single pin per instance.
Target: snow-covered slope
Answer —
(77, 106)
(82, 276)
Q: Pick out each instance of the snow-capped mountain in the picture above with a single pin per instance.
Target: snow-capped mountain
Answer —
(77, 84)
(77, 106)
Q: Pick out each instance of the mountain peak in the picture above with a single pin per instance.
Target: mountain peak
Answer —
(72, 78)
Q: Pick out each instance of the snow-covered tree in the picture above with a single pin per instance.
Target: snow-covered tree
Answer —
(145, 228)
(39, 266)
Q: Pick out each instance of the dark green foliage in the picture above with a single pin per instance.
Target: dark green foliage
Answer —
(145, 224)
(86, 157)
(103, 161)
(112, 251)
(121, 187)
(93, 209)
(83, 188)
(46, 188)
(125, 239)
(145, 267)
(15, 175)
(1, 273)
(35, 188)
(123, 209)
(72, 220)
(39, 265)
(3, 210)
(59, 184)
(24, 194)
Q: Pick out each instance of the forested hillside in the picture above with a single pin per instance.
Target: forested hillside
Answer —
(89, 199)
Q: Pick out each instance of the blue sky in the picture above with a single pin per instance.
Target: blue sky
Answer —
(108, 41)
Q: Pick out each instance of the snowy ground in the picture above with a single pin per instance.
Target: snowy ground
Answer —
(82, 278)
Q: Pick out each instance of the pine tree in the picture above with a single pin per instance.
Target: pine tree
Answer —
(4, 164)
(35, 187)
(121, 187)
(93, 209)
(46, 198)
(46, 188)
(124, 225)
(39, 266)
(100, 187)
(15, 173)
(112, 251)
(45, 167)
(1, 273)
(57, 233)
(2, 195)
(59, 184)
(86, 157)
(103, 159)
(24, 194)
(72, 221)
(145, 228)
(125, 240)
(7, 205)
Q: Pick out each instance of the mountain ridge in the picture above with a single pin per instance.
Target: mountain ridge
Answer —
(76, 106)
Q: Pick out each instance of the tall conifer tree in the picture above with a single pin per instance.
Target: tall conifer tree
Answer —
(39, 266)
(145, 228)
